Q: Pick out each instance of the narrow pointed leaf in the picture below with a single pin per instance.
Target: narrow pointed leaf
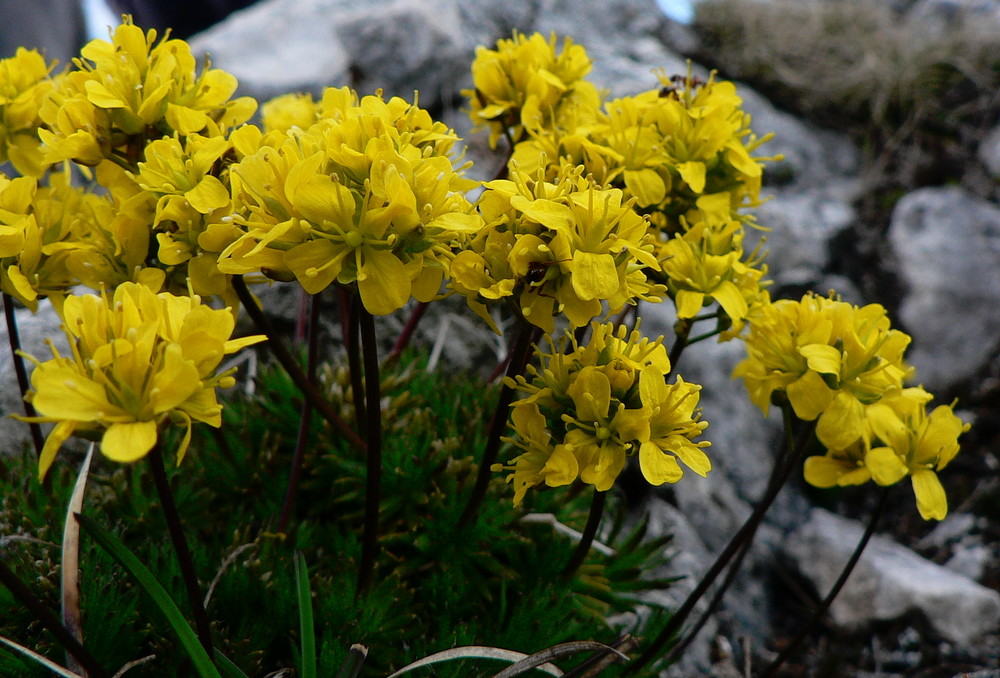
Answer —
(474, 652)
(227, 668)
(353, 662)
(110, 543)
(307, 629)
(71, 616)
(47, 663)
(561, 650)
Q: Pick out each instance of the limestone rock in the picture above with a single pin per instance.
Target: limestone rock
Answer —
(947, 242)
(889, 582)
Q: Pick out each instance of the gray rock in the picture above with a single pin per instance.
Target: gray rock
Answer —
(33, 329)
(989, 152)
(812, 156)
(272, 49)
(889, 582)
(947, 242)
(802, 222)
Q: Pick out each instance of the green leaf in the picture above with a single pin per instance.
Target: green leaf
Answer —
(307, 629)
(227, 667)
(110, 543)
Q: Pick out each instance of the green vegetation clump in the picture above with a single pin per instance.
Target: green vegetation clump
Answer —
(494, 582)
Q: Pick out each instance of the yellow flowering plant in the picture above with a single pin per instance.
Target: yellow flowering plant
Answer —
(601, 205)
(590, 407)
(140, 361)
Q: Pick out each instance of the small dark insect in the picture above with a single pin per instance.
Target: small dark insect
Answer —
(679, 82)
(538, 269)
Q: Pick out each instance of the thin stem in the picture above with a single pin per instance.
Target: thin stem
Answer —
(22, 374)
(281, 353)
(404, 337)
(776, 472)
(373, 482)
(48, 619)
(744, 534)
(519, 354)
(597, 503)
(305, 416)
(180, 544)
(681, 331)
(834, 591)
(352, 343)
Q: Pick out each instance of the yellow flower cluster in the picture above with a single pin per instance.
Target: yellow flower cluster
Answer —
(139, 361)
(680, 154)
(523, 86)
(563, 247)
(843, 366)
(367, 195)
(589, 408)
(24, 84)
(56, 236)
(132, 89)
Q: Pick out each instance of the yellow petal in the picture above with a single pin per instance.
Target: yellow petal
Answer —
(383, 282)
(842, 422)
(822, 358)
(210, 194)
(128, 442)
(562, 467)
(57, 436)
(594, 275)
(823, 471)
(693, 172)
(656, 466)
(809, 396)
(885, 465)
(931, 499)
(646, 185)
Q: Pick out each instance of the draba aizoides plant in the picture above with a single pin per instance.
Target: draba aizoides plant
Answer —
(389, 522)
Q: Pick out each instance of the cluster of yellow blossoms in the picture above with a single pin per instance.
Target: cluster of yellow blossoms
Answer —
(589, 408)
(603, 203)
(843, 367)
(139, 361)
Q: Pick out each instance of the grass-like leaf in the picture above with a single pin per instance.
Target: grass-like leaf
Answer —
(561, 650)
(227, 667)
(351, 666)
(71, 616)
(110, 543)
(34, 656)
(476, 652)
(307, 628)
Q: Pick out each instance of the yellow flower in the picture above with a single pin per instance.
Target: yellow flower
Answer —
(901, 439)
(24, 84)
(132, 89)
(587, 409)
(365, 197)
(139, 361)
(830, 358)
(567, 247)
(520, 85)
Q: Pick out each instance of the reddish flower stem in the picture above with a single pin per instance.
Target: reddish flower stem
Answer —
(834, 591)
(305, 415)
(291, 366)
(373, 478)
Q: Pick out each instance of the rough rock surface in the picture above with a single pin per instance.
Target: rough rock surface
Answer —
(947, 242)
(890, 581)
(32, 330)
